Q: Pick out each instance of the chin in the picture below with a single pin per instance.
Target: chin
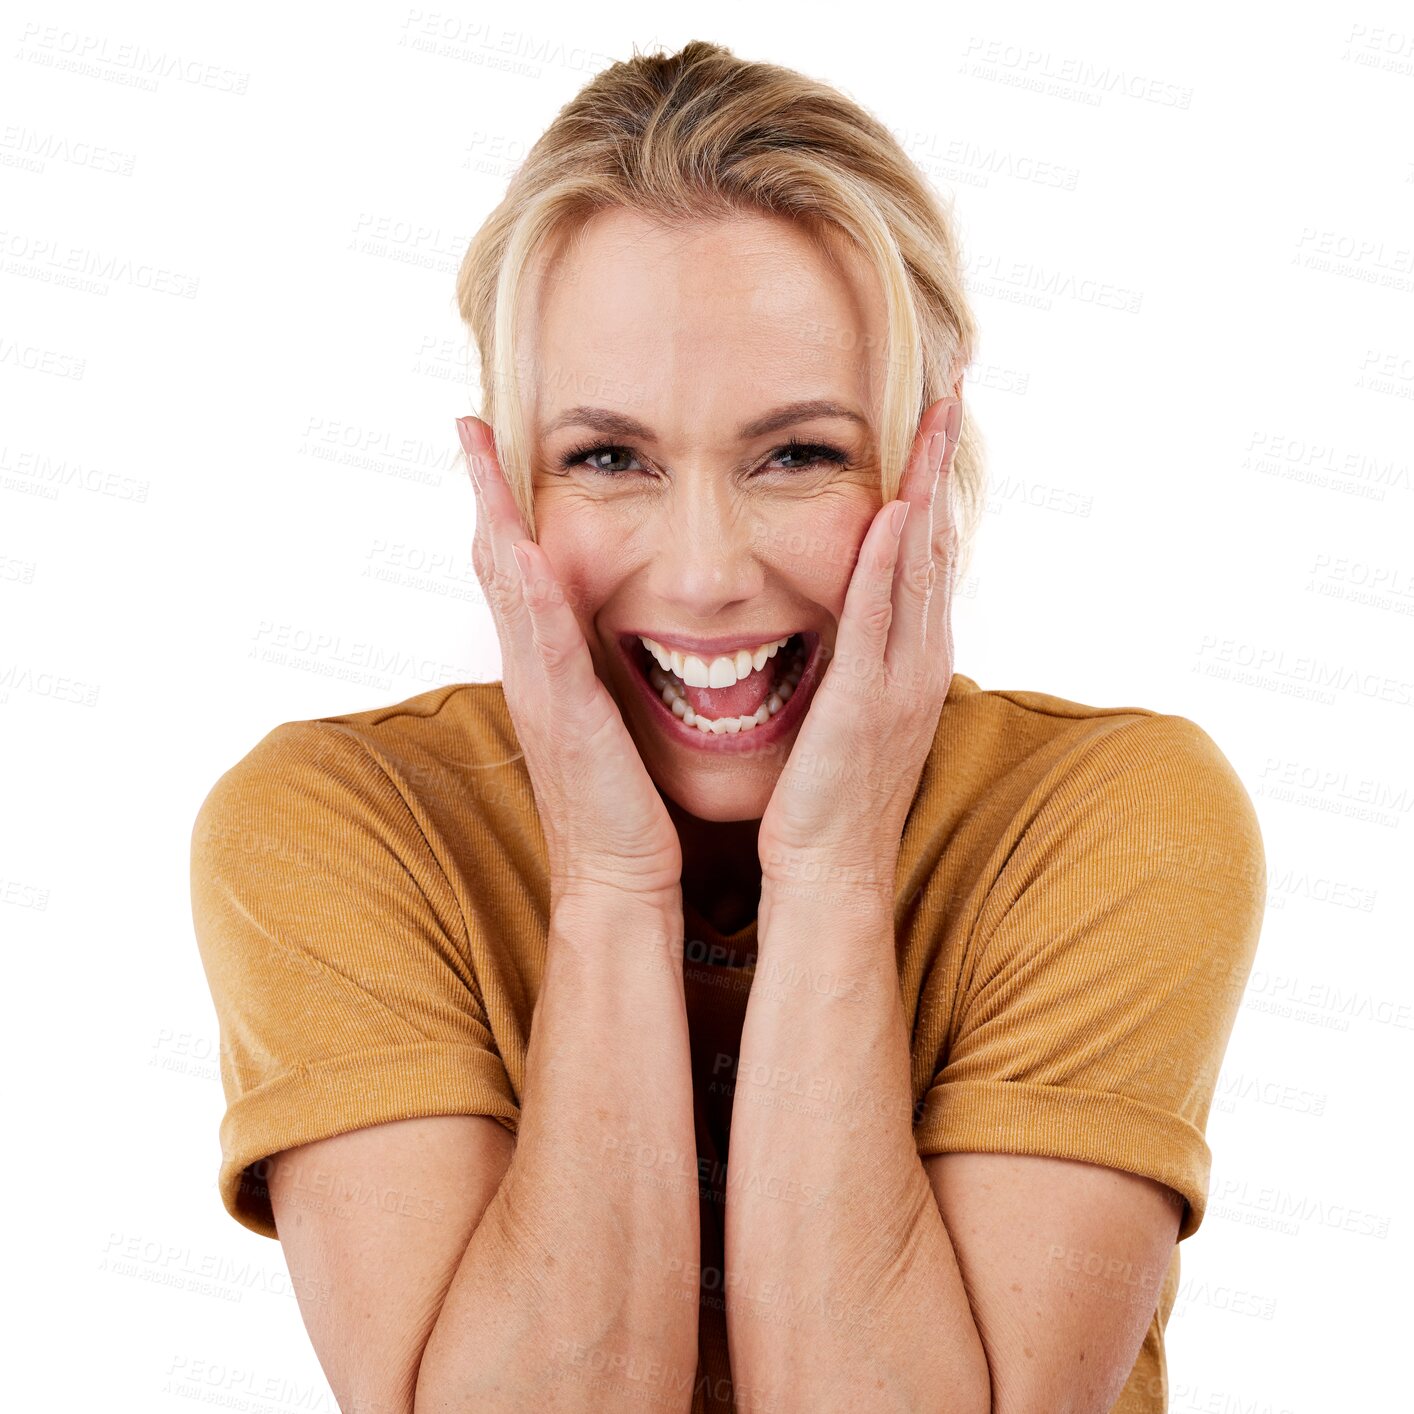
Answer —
(742, 793)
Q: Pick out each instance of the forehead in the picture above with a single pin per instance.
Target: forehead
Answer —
(684, 320)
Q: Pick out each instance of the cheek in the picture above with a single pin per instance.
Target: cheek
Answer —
(815, 546)
(580, 548)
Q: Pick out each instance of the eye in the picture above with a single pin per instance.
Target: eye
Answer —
(812, 454)
(578, 455)
(804, 454)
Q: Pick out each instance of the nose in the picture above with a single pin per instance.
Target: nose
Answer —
(706, 559)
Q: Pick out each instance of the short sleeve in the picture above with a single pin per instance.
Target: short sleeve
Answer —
(337, 959)
(1103, 977)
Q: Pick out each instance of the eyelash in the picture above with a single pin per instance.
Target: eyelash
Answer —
(820, 452)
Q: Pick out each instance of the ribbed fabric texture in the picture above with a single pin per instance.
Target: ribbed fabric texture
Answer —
(1079, 896)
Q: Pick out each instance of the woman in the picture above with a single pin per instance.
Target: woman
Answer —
(876, 1016)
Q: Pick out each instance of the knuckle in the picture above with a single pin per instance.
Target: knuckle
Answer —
(504, 596)
(918, 581)
(877, 616)
(555, 658)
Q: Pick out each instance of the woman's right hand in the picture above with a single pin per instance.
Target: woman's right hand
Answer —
(605, 824)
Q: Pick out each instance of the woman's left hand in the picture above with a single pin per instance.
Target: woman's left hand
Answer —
(844, 795)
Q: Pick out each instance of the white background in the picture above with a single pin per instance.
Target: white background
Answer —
(244, 504)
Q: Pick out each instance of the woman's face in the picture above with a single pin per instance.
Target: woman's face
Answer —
(667, 494)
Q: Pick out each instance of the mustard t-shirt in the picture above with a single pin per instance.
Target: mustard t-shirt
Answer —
(1079, 895)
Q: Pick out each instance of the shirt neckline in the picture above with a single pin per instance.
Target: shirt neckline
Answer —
(699, 929)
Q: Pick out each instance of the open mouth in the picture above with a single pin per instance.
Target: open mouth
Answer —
(757, 703)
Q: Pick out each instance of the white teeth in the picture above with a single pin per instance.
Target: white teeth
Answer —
(720, 672)
(677, 703)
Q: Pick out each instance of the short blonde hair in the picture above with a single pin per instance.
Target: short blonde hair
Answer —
(702, 134)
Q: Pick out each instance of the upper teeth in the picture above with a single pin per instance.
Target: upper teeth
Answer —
(719, 672)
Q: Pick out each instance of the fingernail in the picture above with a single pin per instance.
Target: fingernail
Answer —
(897, 516)
(468, 440)
(952, 425)
(522, 562)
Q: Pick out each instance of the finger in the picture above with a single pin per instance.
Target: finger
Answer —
(498, 526)
(560, 649)
(915, 575)
(857, 669)
(938, 636)
(497, 586)
(492, 496)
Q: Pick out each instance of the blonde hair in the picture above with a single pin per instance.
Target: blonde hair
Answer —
(703, 134)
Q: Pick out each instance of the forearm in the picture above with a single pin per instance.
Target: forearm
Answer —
(845, 1289)
(571, 1293)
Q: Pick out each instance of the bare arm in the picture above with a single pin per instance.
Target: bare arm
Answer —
(941, 1284)
(444, 1266)
(575, 1274)
(847, 1292)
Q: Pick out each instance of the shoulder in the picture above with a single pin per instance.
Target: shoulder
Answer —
(1160, 783)
(1135, 832)
(415, 751)
(1031, 786)
(1060, 746)
(298, 776)
(414, 797)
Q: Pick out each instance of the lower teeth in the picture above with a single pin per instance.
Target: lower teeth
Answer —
(670, 688)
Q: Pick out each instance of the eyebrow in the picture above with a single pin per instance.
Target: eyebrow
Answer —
(618, 424)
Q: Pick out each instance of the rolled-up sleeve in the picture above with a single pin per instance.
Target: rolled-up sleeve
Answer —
(336, 957)
(1104, 976)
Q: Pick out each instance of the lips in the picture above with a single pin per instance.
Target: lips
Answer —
(709, 648)
(754, 739)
